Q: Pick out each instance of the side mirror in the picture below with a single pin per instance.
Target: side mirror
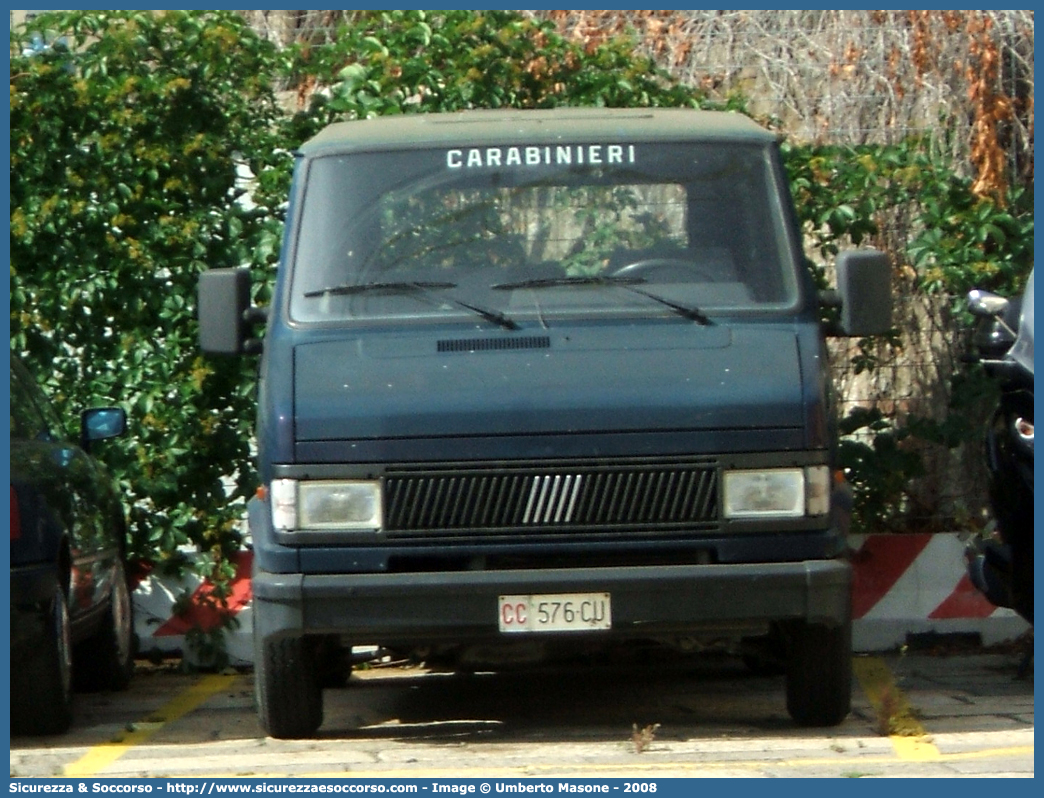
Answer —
(101, 423)
(996, 320)
(225, 314)
(983, 303)
(864, 290)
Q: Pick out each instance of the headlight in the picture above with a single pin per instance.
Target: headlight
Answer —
(779, 493)
(350, 504)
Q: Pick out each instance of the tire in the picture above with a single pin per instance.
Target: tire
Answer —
(289, 693)
(106, 660)
(819, 673)
(41, 696)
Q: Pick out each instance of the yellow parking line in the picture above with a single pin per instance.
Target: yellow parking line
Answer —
(909, 739)
(101, 756)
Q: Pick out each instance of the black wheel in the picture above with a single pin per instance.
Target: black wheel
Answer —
(819, 673)
(41, 693)
(669, 269)
(106, 660)
(289, 693)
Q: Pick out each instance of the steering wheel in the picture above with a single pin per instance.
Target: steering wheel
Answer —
(677, 268)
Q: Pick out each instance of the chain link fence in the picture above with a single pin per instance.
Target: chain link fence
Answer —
(848, 76)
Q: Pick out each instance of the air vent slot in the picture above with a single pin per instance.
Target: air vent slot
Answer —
(494, 344)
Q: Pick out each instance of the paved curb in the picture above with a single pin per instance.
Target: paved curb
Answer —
(903, 585)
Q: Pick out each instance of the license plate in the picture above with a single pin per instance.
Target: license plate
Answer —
(554, 612)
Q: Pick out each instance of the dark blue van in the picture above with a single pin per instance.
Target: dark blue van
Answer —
(541, 379)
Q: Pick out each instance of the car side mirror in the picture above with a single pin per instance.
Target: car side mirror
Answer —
(996, 319)
(864, 293)
(984, 304)
(225, 314)
(101, 423)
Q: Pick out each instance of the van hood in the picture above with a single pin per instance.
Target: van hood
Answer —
(640, 378)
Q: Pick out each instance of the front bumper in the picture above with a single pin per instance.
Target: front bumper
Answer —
(459, 607)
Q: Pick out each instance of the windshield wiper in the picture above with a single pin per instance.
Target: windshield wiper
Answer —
(423, 287)
(627, 283)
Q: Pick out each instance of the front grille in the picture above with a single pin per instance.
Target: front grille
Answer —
(572, 497)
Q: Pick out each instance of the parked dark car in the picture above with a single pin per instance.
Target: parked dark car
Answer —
(1001, 567)
(71, 614)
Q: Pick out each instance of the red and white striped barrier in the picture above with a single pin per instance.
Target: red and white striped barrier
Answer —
(917, 583)
(166, 608)
(902, 585)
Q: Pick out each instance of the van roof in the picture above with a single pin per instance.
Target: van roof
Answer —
(522, 127)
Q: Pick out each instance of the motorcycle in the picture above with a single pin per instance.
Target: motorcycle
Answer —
(1001, 567)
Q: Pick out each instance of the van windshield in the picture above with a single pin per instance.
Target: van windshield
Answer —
(515, 230)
